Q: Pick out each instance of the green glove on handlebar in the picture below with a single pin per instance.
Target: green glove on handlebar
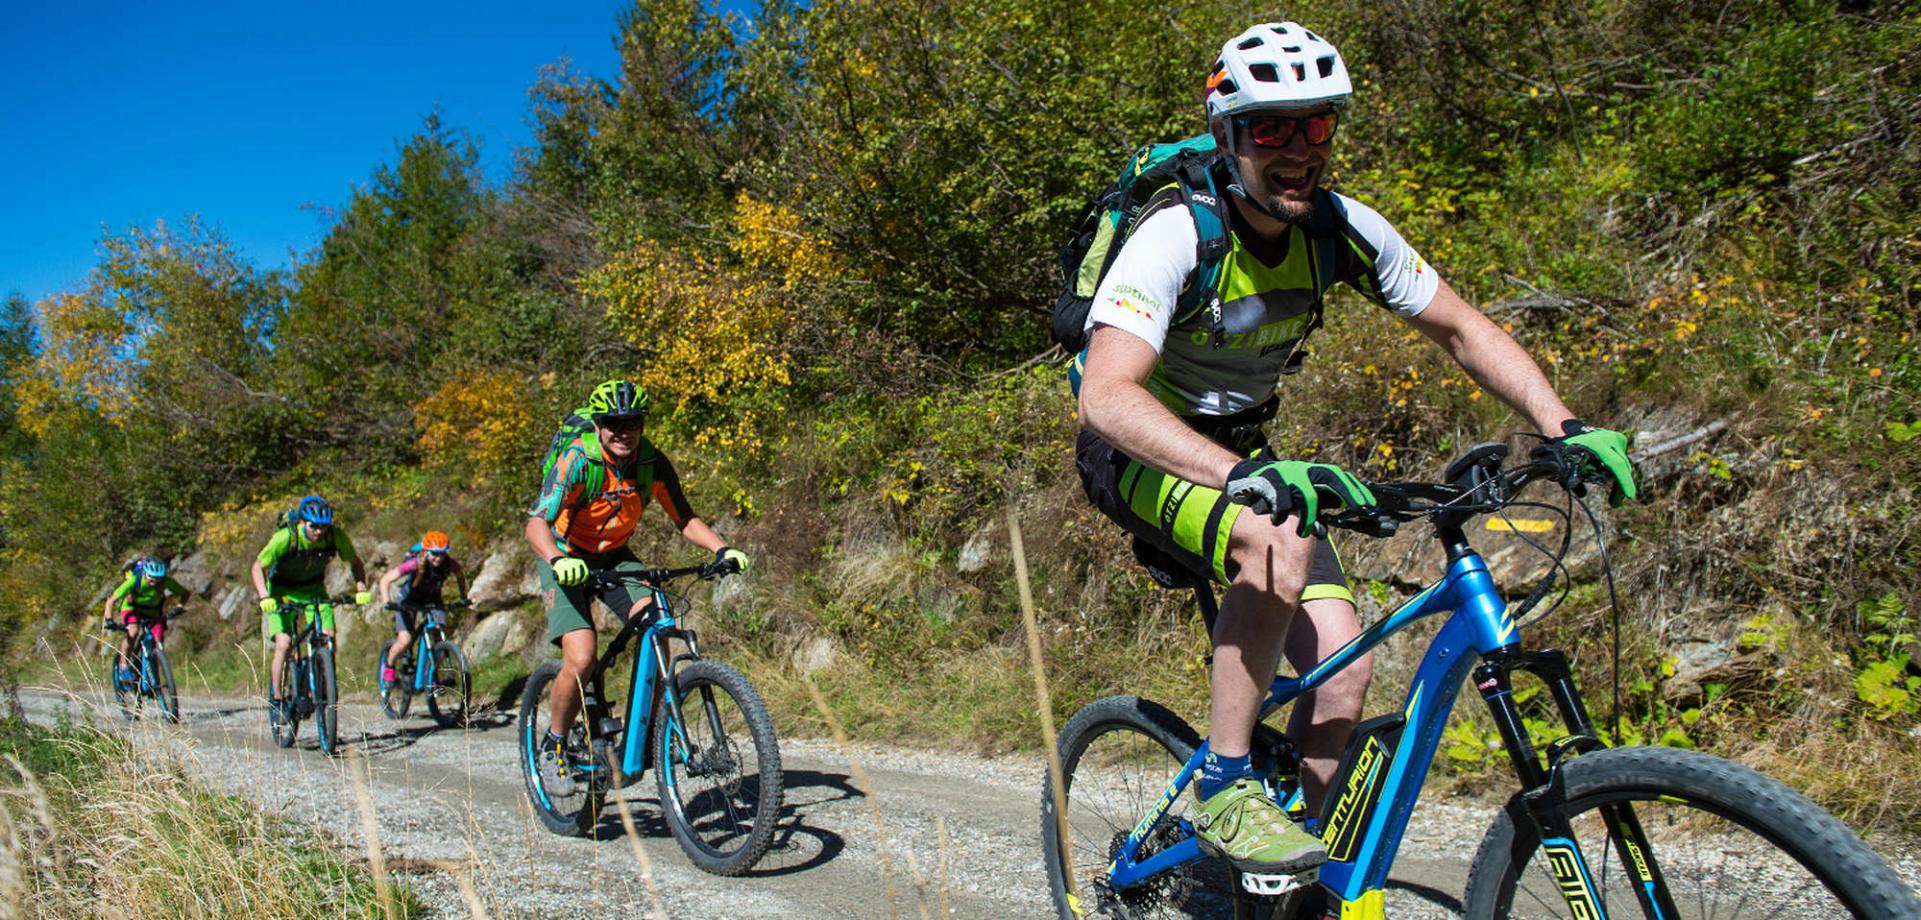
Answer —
(363, 597)
(730, 554)
(269, 605)
(1278, 488)
(1607, 450)
(569, 571)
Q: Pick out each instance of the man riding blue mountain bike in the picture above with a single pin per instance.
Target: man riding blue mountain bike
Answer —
(1172, 405)
(293, 567)
(590, 500)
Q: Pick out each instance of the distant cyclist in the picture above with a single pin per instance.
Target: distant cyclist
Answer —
(412, 586)
(143, 594)
(1172, 407)
(293, 567)
(591, 498)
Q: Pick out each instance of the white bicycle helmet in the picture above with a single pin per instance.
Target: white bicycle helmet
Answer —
(1276, 65)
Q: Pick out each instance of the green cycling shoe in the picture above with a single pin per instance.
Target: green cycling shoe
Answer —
(1243, 826)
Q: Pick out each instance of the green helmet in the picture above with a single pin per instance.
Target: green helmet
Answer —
(617, 399)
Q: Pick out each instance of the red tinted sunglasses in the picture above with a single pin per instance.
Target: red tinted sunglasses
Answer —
(1277, 130)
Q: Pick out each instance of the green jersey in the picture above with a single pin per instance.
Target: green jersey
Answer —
(292, 561)
(149, 597)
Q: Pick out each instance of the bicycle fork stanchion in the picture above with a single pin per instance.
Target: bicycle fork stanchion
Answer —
(1546, 794)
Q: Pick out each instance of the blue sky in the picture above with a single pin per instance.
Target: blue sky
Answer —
(116, 115)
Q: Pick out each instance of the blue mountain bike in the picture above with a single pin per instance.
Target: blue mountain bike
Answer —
(437, 669)
(698, 722)
(152, 672)
(308, 685)
(1594, 832)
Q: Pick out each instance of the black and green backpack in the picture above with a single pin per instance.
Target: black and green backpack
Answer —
(1097, 236)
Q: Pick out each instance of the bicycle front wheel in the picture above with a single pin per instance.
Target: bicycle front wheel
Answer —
(1722, 840)
(326, 701)
(1118, 755)
(718, 769)
(448, 690)
(286, 727)
(160, 683)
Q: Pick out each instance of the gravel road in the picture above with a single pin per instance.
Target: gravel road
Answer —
(452, 820)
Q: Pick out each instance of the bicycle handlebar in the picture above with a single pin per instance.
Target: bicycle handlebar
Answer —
(706, 571)
(1477, 483)
(178, 611)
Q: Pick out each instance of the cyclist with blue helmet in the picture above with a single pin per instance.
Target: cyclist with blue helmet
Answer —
(293, 567)
(142, 595)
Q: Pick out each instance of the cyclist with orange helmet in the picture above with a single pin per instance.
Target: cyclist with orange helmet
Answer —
(412, 585)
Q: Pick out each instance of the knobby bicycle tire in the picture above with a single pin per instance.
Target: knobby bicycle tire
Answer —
(572, 816)
(326, 702)
(163, 687)
(722, 816)
(449, 696)
(399, 697)
(287, 728)
(1717, 831)
(1118, 756)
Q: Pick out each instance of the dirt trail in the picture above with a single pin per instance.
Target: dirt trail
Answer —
(964, 827)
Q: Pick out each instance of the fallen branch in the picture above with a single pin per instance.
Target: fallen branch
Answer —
(1693, 437)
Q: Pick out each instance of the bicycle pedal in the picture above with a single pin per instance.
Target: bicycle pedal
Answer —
(1276, 885)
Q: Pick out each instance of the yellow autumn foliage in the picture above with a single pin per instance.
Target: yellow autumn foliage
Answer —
(484, 420)
(83, 361)
(714, 331)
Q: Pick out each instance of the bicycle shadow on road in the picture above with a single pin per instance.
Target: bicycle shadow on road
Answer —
(1429, 894)
(797, 846)
(375, 744)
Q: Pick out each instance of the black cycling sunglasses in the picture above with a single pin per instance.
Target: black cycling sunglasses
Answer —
(1277, 130)
(623, 425)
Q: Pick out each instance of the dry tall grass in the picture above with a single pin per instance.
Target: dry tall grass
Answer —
(92, 825)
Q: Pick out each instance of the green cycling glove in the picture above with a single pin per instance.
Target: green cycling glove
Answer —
(1278, 488)
(569, 571)
(1607, 450)
(730, 554)
(269, 605)
(363, 597)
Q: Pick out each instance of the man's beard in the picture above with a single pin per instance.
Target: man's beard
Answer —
(1288, 211)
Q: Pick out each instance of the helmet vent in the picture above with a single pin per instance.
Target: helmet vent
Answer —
(1291, 49)
(1264, 73)
(1250, 44)
(1226, 88)
(1300, 73)
(1325, 65)
(1311, 36)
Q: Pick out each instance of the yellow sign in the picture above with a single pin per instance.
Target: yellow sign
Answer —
(1518, 525)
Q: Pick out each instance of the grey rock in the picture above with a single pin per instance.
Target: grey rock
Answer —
(195, 573)
(503, 580)
(340, 579)
(975, 553)
(385, 553)
(815, 654)
(232, 601)
(502, 633)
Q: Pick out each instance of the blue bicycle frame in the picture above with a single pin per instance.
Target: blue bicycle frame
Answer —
(1363, 829)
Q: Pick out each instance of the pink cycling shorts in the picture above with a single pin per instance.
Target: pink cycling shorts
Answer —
(157, 627)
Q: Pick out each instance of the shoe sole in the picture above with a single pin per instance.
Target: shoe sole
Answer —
(1291, 865)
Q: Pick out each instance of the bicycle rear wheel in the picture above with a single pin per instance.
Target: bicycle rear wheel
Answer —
(1118, 755)
(287, 726)
(574, 815)
(326, 701)
(718, 768)
(160, 683)
(1727, 841)
(449, 688)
